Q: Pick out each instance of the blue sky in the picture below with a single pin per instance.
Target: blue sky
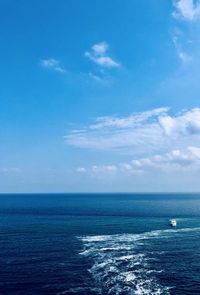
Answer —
(99, 95)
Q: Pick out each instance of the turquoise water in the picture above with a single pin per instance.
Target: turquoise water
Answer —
(99, 244)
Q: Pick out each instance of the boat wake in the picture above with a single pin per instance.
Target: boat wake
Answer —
(126, 264)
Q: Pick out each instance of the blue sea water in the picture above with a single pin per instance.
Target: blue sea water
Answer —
(92, 244)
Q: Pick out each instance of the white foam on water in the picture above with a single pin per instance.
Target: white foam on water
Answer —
(136, 237)
(122, 266)
(127, 257)
(129, 276)
(95, 238)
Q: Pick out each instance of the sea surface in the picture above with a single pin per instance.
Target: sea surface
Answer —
(98, 244)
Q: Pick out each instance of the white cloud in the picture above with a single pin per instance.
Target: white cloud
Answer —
(188, 10)
(100, 48)
(53, 64)
(81, 169)
(187, 123)
(126, 166)
(99, 55)
(195, 151)
(175, 160)
(141, 133)
(104, 168)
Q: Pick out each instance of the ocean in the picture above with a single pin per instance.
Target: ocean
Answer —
(92, 244)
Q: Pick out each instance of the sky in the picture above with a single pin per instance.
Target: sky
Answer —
(100, 96)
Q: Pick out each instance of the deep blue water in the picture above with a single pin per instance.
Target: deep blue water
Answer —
(99, 244)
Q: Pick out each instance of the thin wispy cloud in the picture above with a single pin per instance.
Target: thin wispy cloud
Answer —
(97, 78)
(9, 171)
(81, 170)
(130, 121)
(100, 56)
(140, 133)
(188, 10)
(52, 64)
(185, 42)
(182, 55)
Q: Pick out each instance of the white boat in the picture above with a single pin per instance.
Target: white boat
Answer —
(173, 222)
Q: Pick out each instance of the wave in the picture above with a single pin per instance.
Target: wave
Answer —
(124, 265)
